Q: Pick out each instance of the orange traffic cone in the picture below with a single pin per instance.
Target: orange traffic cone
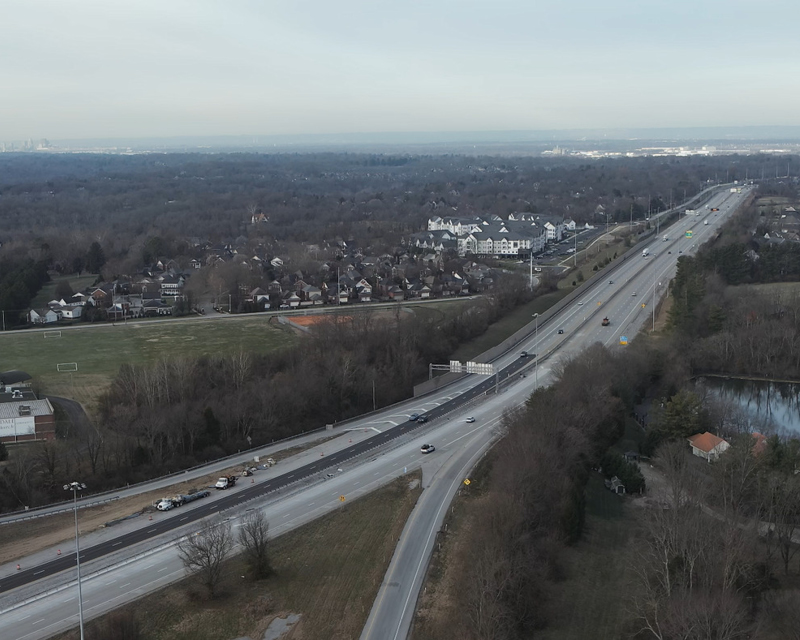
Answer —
(59, 552)
(18, 567)
(321, 454)
(351, 439)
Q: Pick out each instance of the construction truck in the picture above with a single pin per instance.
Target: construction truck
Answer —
(176, 501)
(226, 482)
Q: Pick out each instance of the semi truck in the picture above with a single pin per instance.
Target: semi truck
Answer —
(176, 501)
(225, 482)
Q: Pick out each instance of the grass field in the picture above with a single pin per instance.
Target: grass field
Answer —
(48, 291)
(328, 571)
(99, 350)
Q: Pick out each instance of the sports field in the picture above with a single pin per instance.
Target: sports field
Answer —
(100, 349)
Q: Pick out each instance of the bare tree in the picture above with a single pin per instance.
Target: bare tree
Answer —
(204, 552)
(254, 538)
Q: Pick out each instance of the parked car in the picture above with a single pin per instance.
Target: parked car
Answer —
(470, 420)
(427, 448)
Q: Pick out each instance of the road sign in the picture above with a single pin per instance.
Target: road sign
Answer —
(623, 339)
(688, 233)
(466, 481)
(456, 367)
(482, 368)
(341, 498)
(643, 305)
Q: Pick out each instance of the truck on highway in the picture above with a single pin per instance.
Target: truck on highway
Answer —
(176, 501)
(225, 482)
(645, 252)
(666, 238)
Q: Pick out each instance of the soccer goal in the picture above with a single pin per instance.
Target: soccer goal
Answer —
(52, 334)
(67, 366)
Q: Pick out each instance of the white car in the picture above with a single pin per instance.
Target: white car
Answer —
(470, 420)
(634, 294)
(427, 448)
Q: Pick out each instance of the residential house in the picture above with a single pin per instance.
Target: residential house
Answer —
(259, 295)
(171, 286)
(707, 445)
(71, 312)
(42, 316)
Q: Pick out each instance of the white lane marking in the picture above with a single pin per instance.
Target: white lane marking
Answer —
(70, 600)
(38, 572)
(311, 504)
(38, 621)
(286, 516)
(151, 531)
(184, 518)
(162, 569)
(147, 566)
(116, 544)
(122, 586)
(112, 582)
(26, 617)
(290, 477)
(355, 484)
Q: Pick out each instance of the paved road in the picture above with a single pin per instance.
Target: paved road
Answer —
(578, 322)
(391, 616)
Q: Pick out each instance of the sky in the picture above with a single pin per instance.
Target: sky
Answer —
(156, 68)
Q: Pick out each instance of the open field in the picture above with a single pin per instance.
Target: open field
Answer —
(99, 350)
(328, 571)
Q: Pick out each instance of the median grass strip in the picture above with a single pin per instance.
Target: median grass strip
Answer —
(328, 571)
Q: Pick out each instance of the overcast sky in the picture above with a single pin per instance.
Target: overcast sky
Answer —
(136, 68)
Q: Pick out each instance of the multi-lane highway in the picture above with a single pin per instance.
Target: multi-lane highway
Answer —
(565, 334)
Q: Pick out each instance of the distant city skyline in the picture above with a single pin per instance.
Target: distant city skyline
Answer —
(96, 70)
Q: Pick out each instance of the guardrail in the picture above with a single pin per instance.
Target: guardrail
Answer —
(488, 356)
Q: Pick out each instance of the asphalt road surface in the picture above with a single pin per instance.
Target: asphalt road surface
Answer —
(580, 323)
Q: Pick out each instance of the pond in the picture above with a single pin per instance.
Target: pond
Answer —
(754, 405)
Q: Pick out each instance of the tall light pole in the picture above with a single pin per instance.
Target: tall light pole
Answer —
(536, 354)
(75, 487)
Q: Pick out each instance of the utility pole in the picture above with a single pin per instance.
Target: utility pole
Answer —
(75, 487)
(374, 404)
(536, 354)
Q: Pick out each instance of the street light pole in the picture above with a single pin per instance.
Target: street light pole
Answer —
(75, 487)
(536, 357)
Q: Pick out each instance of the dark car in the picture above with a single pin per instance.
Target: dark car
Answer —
(560, 331)
(422, 420)
(427, 448)
(523, 354)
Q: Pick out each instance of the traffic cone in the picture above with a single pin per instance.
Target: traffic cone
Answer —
(321, 454)
(59, 552)
(252, 480)
(351, 439)
(18, 567)
(151, 516)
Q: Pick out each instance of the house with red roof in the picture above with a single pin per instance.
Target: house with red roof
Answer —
(707, 445)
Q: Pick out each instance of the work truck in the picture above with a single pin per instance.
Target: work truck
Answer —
(225, 482)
